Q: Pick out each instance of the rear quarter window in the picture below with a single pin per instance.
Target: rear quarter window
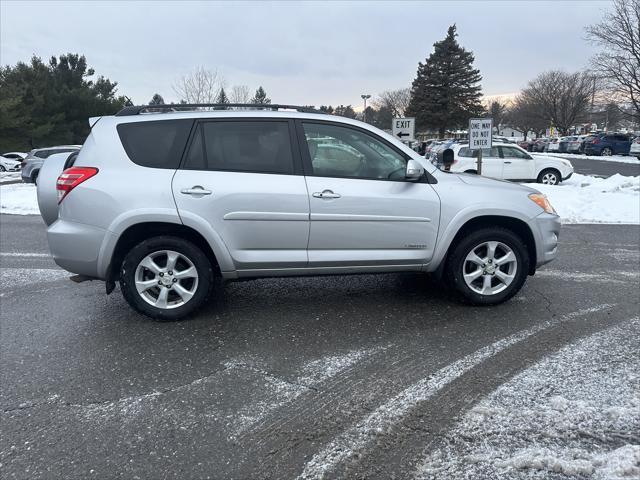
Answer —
(155, 144)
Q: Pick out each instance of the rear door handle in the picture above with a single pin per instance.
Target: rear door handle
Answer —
(507, 162)
(196, 190)
(326, 194)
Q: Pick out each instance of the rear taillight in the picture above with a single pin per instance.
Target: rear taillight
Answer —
(71, 178)
(595, 140)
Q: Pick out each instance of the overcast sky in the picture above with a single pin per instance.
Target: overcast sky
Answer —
(301, 53)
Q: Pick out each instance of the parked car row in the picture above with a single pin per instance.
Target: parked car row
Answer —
(605, 144)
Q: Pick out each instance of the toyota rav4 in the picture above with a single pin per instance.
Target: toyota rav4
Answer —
(163, 201)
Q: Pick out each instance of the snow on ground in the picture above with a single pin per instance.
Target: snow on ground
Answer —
(574, 414)
(19, 199)
(9, 177)
(587, 199)
(612, 158)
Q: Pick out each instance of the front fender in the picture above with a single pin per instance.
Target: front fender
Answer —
(459, 219)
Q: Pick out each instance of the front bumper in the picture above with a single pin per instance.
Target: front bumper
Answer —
(76, 246)
(546, 228)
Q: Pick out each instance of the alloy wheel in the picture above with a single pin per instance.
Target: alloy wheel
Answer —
(489, 268)
(550, 178)
(166, 279)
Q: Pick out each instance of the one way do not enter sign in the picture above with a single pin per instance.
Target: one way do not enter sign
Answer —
(480, 133)
(404, 128)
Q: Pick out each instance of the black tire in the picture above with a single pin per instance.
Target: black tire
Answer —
(34, 177)
(548, 174)
(456, 265)
(606, 151)
(192, 252)
(2, 169)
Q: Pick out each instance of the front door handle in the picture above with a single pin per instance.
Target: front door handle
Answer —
(196, 190)
(326, 194)
(507, 162)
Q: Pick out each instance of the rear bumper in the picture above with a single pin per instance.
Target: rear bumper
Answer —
(546, 229)
(76, 246)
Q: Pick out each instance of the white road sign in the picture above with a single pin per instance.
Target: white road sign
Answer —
(480, 132)
(404, 128)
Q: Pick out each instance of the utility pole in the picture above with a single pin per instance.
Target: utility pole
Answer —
(364, 112)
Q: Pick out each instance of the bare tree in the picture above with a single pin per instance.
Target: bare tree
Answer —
(395, 100)
(561, 99)
(239, 94)
(497, 111)
(619, 61)
(199, 86)
(523, 116)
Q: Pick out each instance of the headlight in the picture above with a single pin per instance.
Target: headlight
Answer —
(542, 201)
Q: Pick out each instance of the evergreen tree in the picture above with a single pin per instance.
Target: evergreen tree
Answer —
(343, 111)
(44, 104)
(326, 109)
(261, 97)
(446, 91)
(222, 98)
(157, 99)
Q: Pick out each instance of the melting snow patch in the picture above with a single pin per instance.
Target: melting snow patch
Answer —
(573, 414)
(18, 277)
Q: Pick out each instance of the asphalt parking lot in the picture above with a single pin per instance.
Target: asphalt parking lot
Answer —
(340, 376)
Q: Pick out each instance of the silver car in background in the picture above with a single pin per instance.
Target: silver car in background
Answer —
(35, 159)
(163, 202)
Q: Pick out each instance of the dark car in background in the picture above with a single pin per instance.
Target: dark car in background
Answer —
(526, 144)
(607, 144)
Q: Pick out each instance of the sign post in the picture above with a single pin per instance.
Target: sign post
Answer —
(480, 136)
(404, 128)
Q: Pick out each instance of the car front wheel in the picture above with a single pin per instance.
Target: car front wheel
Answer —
(489, 266)
(166, 278)
(607, 152)
(549, 177)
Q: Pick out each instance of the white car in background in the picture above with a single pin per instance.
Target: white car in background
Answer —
(507, 161)
(9, 165)
(19, 156)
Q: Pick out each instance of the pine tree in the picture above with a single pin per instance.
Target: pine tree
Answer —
(157, 99)
(222, 99)
(446, 91)
(260, 97)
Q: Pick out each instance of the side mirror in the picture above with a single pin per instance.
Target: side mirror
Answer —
(414, 170)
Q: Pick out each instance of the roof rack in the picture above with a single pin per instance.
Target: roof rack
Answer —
(184, 107)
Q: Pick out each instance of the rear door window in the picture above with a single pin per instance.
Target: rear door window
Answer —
(155, 144)
(256, 146)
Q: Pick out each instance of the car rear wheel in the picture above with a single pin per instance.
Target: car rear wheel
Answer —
(549, 176)
(489, 266)
(2, 169)
(607, 152)
(166, 278)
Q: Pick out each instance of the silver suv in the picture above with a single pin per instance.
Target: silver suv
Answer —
(32, 164)
(164, 201)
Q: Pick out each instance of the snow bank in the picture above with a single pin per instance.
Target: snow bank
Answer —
(19, 199)
(9, 177)
(574, 414)
(587, 199)
(612, 158)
